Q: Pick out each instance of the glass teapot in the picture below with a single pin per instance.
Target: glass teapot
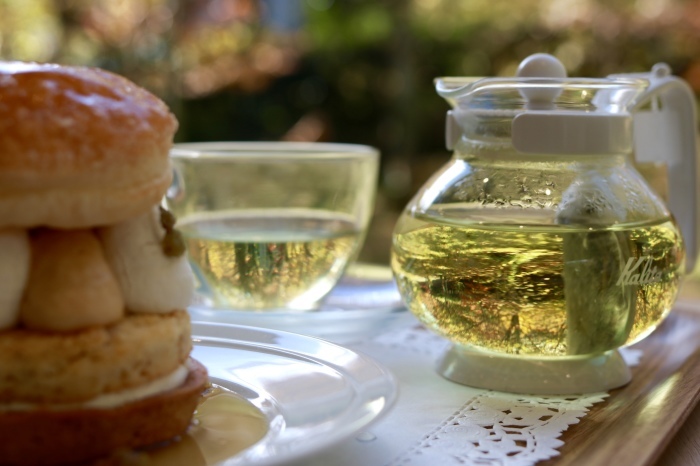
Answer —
(539, 249)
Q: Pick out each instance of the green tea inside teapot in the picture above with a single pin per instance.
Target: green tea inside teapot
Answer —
(539, 244)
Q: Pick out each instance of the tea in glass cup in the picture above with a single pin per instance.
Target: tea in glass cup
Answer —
(271, 226)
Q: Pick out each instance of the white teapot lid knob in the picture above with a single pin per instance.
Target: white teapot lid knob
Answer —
(541, 65)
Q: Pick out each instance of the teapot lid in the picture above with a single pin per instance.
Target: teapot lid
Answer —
(547, 112)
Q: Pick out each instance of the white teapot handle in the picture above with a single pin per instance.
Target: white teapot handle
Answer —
(665, 131)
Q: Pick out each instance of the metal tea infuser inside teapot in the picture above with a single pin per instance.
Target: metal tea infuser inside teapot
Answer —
(539, 250)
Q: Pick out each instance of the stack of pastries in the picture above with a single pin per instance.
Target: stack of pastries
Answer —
(94, 336)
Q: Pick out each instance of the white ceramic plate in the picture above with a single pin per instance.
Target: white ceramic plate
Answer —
(365, 303)
(314, 393)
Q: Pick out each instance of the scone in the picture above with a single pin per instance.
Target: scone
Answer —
(94, 336)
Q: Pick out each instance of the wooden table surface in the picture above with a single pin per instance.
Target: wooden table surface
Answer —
(684, 447)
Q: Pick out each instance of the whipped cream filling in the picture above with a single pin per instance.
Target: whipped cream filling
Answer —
(150, 280)
(115, 399)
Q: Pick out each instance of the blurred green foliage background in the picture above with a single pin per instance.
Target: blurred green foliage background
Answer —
(357, 71)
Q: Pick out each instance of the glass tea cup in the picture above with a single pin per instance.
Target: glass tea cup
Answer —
(271, 226)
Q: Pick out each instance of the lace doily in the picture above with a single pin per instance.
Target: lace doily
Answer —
(490, 428)
(501, 429)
